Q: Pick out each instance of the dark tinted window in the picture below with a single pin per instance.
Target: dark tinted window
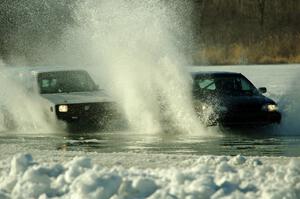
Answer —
(229, 85)
(65, 82)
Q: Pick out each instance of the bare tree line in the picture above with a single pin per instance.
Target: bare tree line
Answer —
(219, 24)
(272, 15)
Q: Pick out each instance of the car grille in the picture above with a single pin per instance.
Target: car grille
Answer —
(243, 113)
(88, 110)
(244, 108)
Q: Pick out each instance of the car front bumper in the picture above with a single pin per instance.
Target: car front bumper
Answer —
(89, 112)
(249, 118)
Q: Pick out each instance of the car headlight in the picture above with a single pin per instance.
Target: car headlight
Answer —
(270, 107)
(63, 108)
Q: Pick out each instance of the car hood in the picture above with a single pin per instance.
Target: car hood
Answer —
(77, 97)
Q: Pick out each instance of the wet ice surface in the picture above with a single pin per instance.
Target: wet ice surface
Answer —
(246, 163)
(116, 142)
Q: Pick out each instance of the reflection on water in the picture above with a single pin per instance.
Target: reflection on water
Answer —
(229, 143)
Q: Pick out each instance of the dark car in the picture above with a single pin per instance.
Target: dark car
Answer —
(230, 99)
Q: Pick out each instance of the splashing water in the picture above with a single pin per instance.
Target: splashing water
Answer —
(20, 112)
(138, 48)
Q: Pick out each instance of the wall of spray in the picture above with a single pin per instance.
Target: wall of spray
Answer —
(20, 112)
(30, 34)
(139, 49)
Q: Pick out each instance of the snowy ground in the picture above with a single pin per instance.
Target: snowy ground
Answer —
(32, 171)
(171, 177)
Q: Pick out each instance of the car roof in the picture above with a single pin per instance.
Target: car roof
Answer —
(214, 73)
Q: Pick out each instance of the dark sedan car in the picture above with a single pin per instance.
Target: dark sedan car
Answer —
(230, 99)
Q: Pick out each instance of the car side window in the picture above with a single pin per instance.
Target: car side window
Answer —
(45, 83)
(207, 84)
(65, 82)
(49, 85)
(245, 85)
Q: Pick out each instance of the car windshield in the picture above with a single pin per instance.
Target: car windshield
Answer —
(224, 85)
(65, 82)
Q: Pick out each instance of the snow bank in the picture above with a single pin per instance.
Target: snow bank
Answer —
(207, 176)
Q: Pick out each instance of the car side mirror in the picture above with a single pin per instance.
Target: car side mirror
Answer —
(97, 87)
(262, 90)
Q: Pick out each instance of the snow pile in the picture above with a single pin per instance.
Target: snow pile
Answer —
(207, 176)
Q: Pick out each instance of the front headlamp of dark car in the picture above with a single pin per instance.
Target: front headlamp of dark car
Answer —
(270, 107)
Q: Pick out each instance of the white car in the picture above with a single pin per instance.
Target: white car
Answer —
(69, 95)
